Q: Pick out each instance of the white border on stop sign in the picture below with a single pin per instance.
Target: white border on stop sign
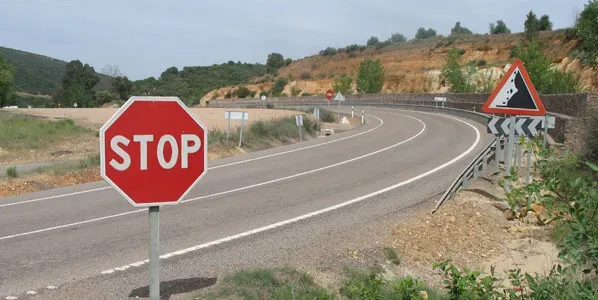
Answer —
(115, 117)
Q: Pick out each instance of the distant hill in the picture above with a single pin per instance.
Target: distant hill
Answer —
(192, 83)
(39, 74)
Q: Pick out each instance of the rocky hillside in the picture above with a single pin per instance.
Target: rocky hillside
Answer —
(415, 66)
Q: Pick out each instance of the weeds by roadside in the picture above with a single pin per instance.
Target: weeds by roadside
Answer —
(11, 172)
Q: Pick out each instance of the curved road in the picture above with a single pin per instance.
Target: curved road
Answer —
(91, 244)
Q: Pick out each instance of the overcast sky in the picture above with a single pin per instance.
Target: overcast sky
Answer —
(144, 37)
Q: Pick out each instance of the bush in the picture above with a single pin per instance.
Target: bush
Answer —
(499, 28)
(252, 94)
(306, 94)
(284, 95)
(328, 52)
(454, 74)
(372, 286)
(295, 91)
(264, 93)
(373, 41)
(481, 63)
(242, 92)
(278, 87)
(305, 76)
(11, 172)
(327, 116)
(423, 33)
(342, 84)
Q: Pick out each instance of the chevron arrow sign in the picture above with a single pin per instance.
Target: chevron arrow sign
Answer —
(523, 126)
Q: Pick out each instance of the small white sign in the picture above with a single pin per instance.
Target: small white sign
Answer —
(440, 99)
(263, 97)
(299, 120)
(236, 115)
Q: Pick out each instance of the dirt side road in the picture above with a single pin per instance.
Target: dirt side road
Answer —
(96, 117)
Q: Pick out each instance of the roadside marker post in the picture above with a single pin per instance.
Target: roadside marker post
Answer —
(362, 117)
(352, 112)
(299, 122)
(153, 151)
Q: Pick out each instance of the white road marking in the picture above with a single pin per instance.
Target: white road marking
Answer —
(209, 168)
(31, 293)
(11, 298)
(312, 214)
(51, 287)
(229, 191)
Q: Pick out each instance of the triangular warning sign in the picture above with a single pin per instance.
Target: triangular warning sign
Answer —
(339, 97)
(515, 95)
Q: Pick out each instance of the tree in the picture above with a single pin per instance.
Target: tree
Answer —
(78, 84)
(460, 30)
(274, 62)
(454, 75)
(111, 70)
(342, 84)
(288, 61)
(397, 38)
(499, 28)
(423, 33)
(104, 96)
(7, 75)
(544, 24)
(531, 26)
(370, 77)
(170, 72)
(373, 41)
(328, 51)
(546, 80)
(123, 86)
(587, 28)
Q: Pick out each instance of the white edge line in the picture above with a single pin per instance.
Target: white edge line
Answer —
(225, 192)
(312, 214)
(209, 168)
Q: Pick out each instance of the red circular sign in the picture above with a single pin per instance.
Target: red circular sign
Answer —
(153, 151)
(329, 94)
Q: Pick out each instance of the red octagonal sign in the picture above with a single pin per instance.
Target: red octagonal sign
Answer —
(153, 151)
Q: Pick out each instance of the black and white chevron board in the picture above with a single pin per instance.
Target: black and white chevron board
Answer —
(526, 126)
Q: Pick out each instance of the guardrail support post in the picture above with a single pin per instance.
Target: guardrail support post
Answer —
(484, 162)
(476, 169)
(465, 181)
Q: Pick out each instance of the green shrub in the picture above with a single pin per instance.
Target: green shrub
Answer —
(284, 95)
(392, 255)
(252, 94)
(306, 94)
(328, 51)
(481, 63)
(371, 286)
(327, 116)
(295, 91)
(11, 172)
(305, 76)
(242, 92)
(278, 87)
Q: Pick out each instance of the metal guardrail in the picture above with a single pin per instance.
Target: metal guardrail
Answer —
(479, 164)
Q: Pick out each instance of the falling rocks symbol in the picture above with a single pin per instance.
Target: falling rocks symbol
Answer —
(518, 94)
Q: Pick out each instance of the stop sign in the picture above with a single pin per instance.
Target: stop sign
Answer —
(153, 151)
(329, 94)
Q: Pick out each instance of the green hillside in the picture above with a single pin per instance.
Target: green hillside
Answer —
(192, 83)
(38, 74)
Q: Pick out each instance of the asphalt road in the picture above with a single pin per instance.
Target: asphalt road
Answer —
(249, 210)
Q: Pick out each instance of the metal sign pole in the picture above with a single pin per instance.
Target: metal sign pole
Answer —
(509, 159)
(518, 154)
(154, 253)
(300, 136)
(528, 164)
(228, 128)
(497, 151)
(339, 111)
(545, 130)
(241, 132)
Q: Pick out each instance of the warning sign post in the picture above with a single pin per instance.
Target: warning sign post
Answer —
(514, 95)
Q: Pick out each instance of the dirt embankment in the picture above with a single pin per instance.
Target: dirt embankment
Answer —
(415, 66)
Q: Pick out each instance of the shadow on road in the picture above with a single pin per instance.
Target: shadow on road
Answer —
(177, 286)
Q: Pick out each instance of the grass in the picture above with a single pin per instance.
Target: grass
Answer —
(280, 284)
(264, 134)
(392, 255)
(27, 132)
(60, 169)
